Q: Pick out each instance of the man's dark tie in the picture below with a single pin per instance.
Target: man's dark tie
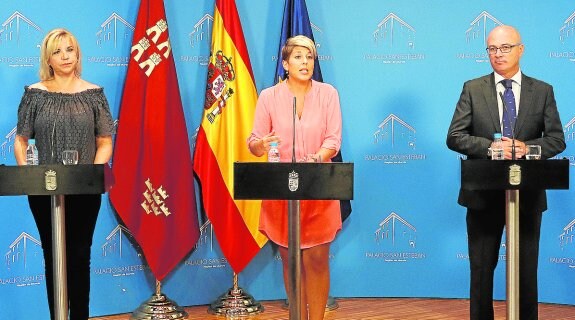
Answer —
(509, 109)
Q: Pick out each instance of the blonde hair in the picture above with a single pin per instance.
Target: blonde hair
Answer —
(298, 41)
(49, 44)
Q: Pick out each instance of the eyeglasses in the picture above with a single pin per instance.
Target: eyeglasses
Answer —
(506, 48)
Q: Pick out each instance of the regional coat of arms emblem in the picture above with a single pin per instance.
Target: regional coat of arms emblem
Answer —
(514, 175)
(50, 180)
(293, 181)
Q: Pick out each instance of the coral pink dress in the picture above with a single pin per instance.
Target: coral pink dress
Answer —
(319, 127)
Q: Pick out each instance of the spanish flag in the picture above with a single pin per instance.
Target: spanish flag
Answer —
(226, 124)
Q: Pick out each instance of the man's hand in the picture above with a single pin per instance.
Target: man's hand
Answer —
(508, 145)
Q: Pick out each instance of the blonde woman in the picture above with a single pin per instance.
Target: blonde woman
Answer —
(65, 112)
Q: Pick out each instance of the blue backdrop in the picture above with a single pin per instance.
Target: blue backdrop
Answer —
(399, 67)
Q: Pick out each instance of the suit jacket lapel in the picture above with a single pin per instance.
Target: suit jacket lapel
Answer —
(490, 95)
(525, 102)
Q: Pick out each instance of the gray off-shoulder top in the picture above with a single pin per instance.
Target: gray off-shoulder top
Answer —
(64, 121)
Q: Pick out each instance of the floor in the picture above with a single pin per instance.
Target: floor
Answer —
(380, 308)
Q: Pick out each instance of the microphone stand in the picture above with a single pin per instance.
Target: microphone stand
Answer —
(294, 252)
(293, 126)
(512, 234)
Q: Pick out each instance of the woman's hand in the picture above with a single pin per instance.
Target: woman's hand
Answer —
(268, 139)
(20, 145)
(103, 149)
(262, 146)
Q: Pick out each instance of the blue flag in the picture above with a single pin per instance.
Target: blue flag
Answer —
(296, 22)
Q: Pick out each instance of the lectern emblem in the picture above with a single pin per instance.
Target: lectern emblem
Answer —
(514, 175)
(50, 181)
(293, 181)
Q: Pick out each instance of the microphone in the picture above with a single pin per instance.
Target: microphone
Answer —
(512, 127)
(293, 136)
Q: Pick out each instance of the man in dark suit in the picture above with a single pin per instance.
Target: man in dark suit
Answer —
(478, 115)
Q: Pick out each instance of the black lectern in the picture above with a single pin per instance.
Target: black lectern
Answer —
(293, 182)
(56, 181)
(513, 176)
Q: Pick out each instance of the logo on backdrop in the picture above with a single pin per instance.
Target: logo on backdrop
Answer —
(24, 262)
(206, 241)
(21, 37)
(476, 37)
(317, 37)
(113, 34)
(395, 39)
(398, 240)
(567, 247)
(199, 39)
(7, 145)
(569, 130)
(567, 40)
(502, 251)
(398, 139)
(118, 246)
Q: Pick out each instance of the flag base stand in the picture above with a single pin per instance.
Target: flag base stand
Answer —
(235, 303)
(331, 304)
(159, 307)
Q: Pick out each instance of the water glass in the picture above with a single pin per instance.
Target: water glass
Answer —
(533, 152)
(70, 157)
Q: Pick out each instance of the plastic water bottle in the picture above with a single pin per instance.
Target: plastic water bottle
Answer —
(274, 152)
(497, 147)
(31, 153)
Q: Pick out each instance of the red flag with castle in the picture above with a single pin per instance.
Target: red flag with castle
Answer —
(154, 191)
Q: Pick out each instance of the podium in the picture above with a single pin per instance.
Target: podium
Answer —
(293, 182)
(56, 181)
(513, 176)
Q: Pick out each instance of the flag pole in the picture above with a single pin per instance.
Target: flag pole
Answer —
(235, 302)
(159, 306)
